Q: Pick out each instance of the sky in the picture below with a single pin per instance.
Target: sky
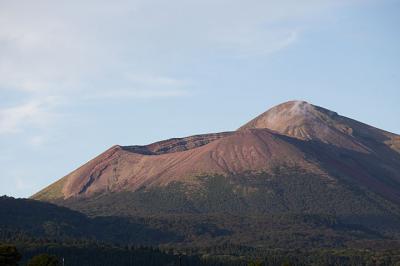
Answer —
(77, 77)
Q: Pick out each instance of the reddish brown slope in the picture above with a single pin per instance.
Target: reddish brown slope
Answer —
(293, 133)
(121, 169)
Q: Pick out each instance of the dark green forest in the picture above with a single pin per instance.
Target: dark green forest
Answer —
(94, 253)
(251, 219)
(32, 228)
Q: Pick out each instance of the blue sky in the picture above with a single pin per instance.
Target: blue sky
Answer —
(77, 78)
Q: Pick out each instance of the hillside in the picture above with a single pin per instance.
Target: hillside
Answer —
(23, 219)
(295, 160)
(24, 222)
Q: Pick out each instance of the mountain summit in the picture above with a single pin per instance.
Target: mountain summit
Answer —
(304, 121)
(295, 118)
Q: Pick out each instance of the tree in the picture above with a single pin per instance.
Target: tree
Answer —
(9, 255)
(255, 263)
(44, 260)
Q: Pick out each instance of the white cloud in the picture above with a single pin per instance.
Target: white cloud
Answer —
(144, 87)
(36, 141)
(20, 184)
(140, 86)
(35, 113)
(146, 80)
(254, 45)
(137, 94)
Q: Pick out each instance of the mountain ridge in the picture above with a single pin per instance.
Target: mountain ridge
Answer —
(292, 134)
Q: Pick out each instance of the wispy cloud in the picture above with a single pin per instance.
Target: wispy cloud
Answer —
(36, 141)
(137, 94)
(141, 86)
(254, 45)
(34, 113)
(82, 51)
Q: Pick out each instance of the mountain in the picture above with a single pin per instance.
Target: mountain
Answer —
(276, 137)
(296, 162)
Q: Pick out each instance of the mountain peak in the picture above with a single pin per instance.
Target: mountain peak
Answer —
(288, 110)
(302, 120)
(289, 114)
(305, 121)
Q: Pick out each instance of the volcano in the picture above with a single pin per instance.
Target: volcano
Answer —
(295, 164)
(292, 134)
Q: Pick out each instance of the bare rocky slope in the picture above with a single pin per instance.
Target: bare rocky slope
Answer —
(295, 169)
(294, 133)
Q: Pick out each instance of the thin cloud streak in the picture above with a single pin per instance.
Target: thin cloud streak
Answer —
(34, 113)
(136, 94)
